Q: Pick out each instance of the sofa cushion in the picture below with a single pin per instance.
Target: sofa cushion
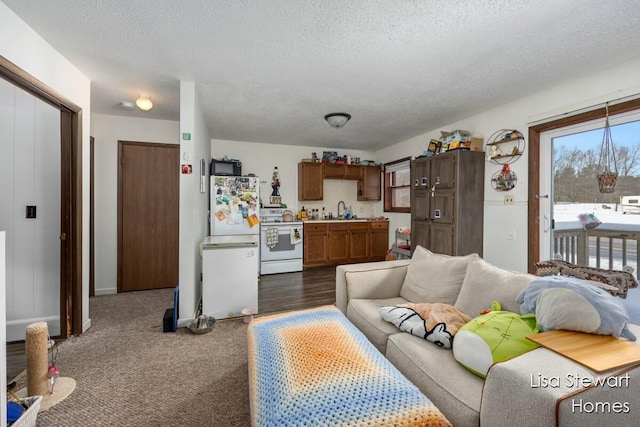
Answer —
(434, 277)
(452, 388)
(435, 322)
(485, 283)
(365, 314)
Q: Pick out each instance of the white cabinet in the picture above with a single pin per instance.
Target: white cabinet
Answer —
(229, 277)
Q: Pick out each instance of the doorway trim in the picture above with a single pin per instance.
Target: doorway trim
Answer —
(71, 193)
(533, 242)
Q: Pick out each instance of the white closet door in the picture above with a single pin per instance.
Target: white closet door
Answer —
(23, 230)
(30, 176)
(7, 94)
(46, 163)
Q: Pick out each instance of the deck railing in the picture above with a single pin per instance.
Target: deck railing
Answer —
(608, 246)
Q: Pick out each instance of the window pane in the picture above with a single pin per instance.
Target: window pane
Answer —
(401, 197)
(401, 177)
(575, 164)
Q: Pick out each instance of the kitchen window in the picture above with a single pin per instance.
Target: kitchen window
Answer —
(397, 179)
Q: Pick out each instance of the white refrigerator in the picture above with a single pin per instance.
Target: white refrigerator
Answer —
(234, 205)
(230, 255)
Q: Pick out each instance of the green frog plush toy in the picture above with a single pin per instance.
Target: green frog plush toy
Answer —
(493, 337)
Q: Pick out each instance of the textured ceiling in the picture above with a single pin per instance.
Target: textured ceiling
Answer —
(268, 71)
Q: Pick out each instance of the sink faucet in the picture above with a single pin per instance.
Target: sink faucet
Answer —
(344, 207)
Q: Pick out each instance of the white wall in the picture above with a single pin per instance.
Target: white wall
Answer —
(107, 130)
(26, 49)
(604, 85)
(261, 159)
(193, 202)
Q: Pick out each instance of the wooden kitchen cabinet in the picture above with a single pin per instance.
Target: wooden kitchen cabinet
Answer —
(338, 243)
(369, 187)
(353, 172)
(310, 176)
(333, 171)
(379, 240)
(347, 242)
(359, 237)
(447, 196)
(336, 171)
(315, 244)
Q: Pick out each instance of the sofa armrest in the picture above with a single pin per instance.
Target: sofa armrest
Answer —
(370, 280)
(542, 387)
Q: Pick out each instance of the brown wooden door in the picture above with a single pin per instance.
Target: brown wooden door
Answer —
(442, 206)
(310, 185)
(441, 239)
(338, 243)
(419, 234)
(359, 242)
(369, 187)
(332, 170)
(379, 240)
(148, 215)
(315, 248)
(353, 172)
(443, 170)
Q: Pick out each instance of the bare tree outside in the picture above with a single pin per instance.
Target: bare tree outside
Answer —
(575, 169)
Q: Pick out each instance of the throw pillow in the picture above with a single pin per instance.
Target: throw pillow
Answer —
(435, 322)
(493, 337)
(561, 302)
(434, 277)
(485, 283)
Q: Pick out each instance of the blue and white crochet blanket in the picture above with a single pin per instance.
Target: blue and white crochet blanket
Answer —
(314, 368)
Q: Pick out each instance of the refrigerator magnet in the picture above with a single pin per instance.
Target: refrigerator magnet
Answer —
(187, 169)
(220, 215)
(253, 220)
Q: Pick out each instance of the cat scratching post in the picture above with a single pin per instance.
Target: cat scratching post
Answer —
(36, 346)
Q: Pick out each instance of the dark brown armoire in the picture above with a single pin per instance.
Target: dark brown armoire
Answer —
(447, 198)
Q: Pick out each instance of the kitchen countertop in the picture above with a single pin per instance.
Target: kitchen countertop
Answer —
(345, 220)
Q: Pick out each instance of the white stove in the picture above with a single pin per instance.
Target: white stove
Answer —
(281, 243)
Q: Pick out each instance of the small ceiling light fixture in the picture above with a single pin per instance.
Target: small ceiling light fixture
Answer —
(337, 120)
(144, 103)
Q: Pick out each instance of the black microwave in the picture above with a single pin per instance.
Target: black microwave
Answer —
(226, 167)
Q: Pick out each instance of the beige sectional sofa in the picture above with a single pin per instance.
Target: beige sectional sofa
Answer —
(512, 393)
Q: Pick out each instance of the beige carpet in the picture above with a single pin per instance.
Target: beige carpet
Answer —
(128, 372)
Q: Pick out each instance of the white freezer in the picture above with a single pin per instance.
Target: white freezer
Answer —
(229, 275)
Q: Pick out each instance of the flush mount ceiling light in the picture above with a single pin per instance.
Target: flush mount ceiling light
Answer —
(337, 120)
(144, 103)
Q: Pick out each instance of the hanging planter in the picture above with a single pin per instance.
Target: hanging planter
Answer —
(608, 171)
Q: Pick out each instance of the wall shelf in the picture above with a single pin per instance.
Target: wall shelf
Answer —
(513, 146)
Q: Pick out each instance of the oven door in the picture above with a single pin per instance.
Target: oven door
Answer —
(275, 242)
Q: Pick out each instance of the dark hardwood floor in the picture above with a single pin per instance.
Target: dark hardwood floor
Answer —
(276, 292)
(296, 291)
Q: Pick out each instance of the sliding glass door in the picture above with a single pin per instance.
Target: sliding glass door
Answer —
(578, 223)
